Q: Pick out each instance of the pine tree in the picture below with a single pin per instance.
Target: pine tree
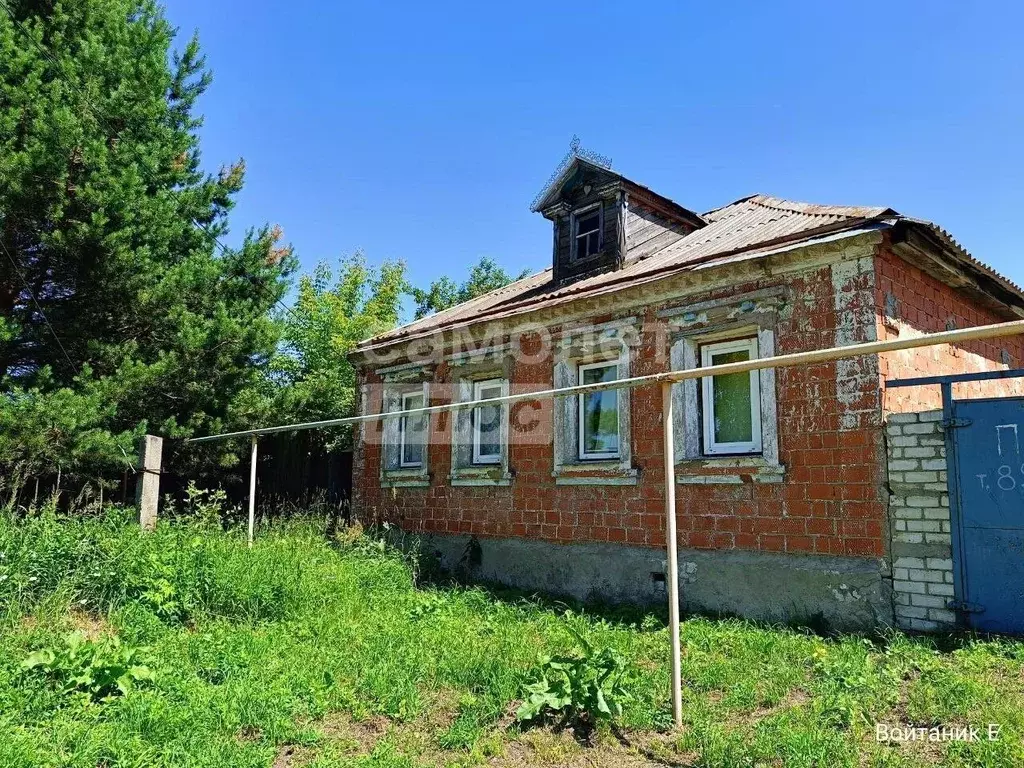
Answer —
(110, 272)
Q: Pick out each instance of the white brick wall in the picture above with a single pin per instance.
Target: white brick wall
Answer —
(922, 563)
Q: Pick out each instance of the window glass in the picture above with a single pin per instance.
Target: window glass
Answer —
(734, 421)
(487, 424)
(731, 403)
(599, 413)
(412, 431)
(588, 234)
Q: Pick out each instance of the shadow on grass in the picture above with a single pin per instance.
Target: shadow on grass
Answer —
(649, 617)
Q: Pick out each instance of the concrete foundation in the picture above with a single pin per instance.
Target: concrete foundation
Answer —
(838, 593)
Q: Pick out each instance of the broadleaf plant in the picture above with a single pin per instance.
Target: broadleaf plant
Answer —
(581, 688)
(100, 669)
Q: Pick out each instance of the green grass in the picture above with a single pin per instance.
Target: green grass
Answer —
(309, 652)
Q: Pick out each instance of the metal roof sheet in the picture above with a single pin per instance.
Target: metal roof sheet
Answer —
(750, 227)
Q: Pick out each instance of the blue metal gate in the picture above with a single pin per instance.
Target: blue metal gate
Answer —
(989, 465)
(985, 468)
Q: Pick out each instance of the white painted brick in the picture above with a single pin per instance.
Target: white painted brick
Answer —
(917, 452)
(903, 418)
(910, 538)
(902, 441)
(944, 615)
(899, 525)
(925, 526)
(938, 513)
(900, 574)
(946, 590)
(909, 586)
(918, 500)
(937, 464)
(937, 538)
(911, 612)
(921, 625)
(928, 601)
(918, 429)
(920, 477)
(903, 465)
(941, 563)
(910, 513)
(930, 416)
(920, 574)
(909, 562)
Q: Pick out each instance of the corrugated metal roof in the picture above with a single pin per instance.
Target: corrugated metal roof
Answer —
(964, 254)
(743, 229)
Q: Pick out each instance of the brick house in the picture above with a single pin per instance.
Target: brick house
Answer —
(785, 506)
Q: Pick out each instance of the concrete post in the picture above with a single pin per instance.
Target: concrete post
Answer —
(252, 491)
(147, 486)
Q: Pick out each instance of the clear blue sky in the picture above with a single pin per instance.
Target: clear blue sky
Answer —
(422, 131)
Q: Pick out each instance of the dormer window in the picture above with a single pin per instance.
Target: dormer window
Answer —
(586, 229)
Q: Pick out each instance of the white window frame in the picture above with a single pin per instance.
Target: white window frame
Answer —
(402, 430)
(582, 453)
(478, 389)
(573, 227)
(711, 446)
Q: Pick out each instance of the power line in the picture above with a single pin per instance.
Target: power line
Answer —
(28, 289)
(106, 124)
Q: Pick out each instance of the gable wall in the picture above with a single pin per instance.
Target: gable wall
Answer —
(910, 302)
(649, 230)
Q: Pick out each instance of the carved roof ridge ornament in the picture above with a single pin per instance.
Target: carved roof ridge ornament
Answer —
(576, 151)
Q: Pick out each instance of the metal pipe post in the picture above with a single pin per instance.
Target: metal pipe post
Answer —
(673, 555)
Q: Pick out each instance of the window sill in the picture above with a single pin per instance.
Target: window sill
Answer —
(480, 477)
(595, 473)
(745, 469)
(405, 478)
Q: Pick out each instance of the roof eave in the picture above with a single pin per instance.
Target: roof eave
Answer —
(761, 250)
(937, 253)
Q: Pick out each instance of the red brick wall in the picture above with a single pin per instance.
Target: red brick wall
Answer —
(830, 439)
(925, 305)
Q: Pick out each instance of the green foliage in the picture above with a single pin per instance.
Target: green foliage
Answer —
(119, 310)
(331, 314)
(583, 687)
(111, 225)
(295, 642)
(43, 428)
(484, 277)
(100, 669)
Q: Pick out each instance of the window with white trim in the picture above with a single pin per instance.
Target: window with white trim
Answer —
(487, 423)
(731, 403)
(412, 430)
(586, 232)
(599, 413)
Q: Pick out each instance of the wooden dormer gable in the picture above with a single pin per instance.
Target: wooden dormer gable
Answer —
(593, 210)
